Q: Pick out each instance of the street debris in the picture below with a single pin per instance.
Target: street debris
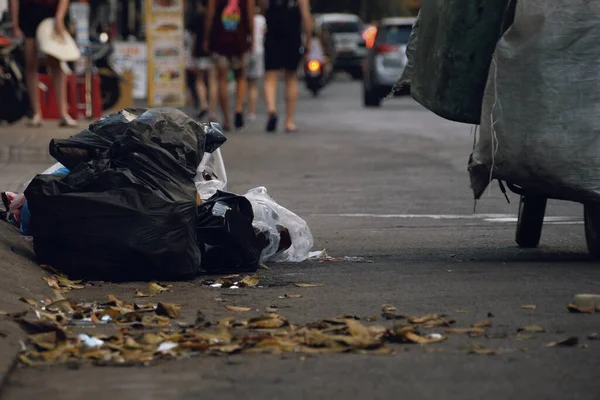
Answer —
(585, 303)
(237, 309)
(481, 350)
(290, 296)
(309, 285)
(575, 309)
(145, 333)
(165, 171)
(593, 336)
(569, 342)
(322, 256)
(62, 284)
(531, 329)
(529, 307)
(388, 308)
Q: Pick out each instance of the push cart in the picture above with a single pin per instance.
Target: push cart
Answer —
(532, 209)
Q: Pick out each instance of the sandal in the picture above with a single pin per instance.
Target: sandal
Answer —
(67, 122)
(35, 121)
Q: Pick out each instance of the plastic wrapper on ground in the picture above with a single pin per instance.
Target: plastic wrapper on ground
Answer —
(288, 238)
(211, 175)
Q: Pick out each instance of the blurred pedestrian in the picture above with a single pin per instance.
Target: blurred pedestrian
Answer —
(228, 37)
(203, 66)
(283, 53)
(27, 16)
(255, 68)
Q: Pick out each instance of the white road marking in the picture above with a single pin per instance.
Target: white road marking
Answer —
(495, 218)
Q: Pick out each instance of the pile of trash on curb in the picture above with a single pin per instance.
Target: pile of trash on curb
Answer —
(141, 195)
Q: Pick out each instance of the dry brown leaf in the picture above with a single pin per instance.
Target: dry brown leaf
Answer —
(580, 310)
(48, 340)
(292, 296)
(392, 315)
(438, 323)
(49, 269)
(309, 285)
(423, 319)
(152, 339)
(415, 338)
(525, 336)
(479, 349)
(52, 282)
(31, 302)
(531, 329)
(529, 307)
(154, 289)
(168, 310)
(38, 326)
(462, 311)
(237, 309)
(469, 331)
(271, 309)
(113, 301)
(249, 281)
(62, 305)
(482, 324)
(139, 293)
(388, 308)
(67, 283)
(269, 321)
(569, 342)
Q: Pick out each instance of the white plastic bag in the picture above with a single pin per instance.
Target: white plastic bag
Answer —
(269, 217)
(211, 175)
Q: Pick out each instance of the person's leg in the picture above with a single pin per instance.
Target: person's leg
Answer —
(202, 92)
(60, 88)
(252, 97)
(223, 82)
(241, 89)
(291, 96)
(31, 78)
(212, 93)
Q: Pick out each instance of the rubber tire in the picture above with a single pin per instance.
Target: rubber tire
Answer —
(370, 98)
(592, 228)
(315, 92)
(531, 220)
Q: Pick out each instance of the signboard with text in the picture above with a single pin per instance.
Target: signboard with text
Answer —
(166, 55)
(132, 56)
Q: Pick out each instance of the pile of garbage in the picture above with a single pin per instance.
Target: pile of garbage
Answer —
(141, 195)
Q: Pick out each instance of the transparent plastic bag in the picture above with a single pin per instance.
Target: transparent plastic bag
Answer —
(272, 220)
(211, 175)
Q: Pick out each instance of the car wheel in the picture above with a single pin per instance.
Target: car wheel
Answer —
(370, 98)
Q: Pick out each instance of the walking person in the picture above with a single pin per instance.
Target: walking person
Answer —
(228, 37)
(255, 69)
(283, 53)
(203, 66)
(27, 16)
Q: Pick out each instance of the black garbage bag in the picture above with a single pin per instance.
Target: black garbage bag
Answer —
(171, 129)
(131, 215)
(14, 98)
(450, 53)
(225, 227)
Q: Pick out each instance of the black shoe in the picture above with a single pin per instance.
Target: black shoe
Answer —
(239, 120)
(202, 114)
(272, 123)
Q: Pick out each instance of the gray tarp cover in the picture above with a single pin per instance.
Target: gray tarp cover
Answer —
(540, 125)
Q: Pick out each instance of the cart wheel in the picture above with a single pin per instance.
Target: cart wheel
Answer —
(592, 228)
(531, 219)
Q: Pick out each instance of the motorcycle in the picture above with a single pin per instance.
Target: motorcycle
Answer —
(102, 50)
(314, 76)
(14, 98)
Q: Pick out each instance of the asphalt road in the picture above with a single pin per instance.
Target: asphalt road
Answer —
(389, 185)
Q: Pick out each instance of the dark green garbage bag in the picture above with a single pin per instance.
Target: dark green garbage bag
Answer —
(450, 63)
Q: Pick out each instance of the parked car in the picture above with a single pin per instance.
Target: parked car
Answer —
(345, 31)
(386, 59)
